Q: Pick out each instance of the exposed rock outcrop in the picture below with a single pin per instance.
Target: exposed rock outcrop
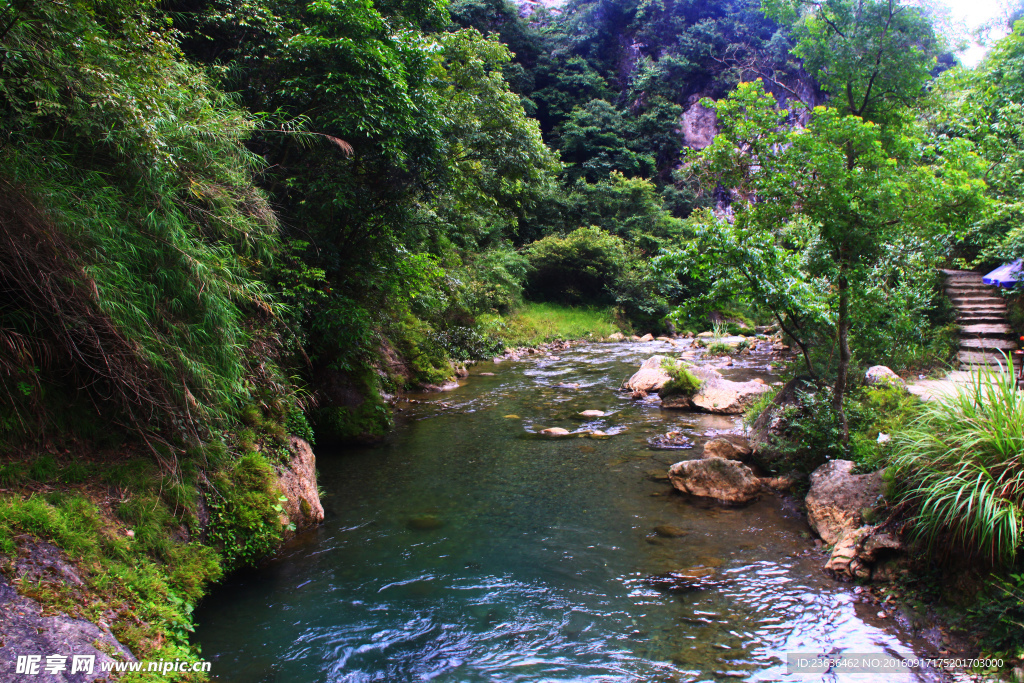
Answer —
(856, 552)
(26, 631)
(297, 482)
(838, 499)
(699, 125)
(726, 481)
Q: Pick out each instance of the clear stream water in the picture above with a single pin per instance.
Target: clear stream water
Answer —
(467, 548)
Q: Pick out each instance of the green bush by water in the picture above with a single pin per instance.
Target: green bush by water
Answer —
(961, 465)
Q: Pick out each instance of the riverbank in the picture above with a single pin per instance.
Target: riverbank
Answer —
(104, 552)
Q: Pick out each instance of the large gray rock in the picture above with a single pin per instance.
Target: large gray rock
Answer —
(726, 481)
(717, 395)
(880, 375)
(651, 376)
(838, 499)
(24, 630)
(297, 481)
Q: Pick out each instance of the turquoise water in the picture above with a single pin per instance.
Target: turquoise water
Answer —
(467, 548)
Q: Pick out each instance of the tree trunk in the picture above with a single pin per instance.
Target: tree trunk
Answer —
(842, 327)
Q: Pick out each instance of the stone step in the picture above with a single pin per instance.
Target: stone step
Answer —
(983, 330)
(971, 290)
(979, 299)
(982, 308)
(964, 278)
(981, 319)
(981, 343)
(983, 358)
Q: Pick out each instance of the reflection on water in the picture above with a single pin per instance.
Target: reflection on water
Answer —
(469, 548)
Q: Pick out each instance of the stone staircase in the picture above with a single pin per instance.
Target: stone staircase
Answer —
(981, 313)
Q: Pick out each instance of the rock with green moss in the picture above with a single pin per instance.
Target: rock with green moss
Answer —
(297, 481)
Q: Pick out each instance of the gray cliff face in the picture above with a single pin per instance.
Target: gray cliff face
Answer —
(528, 7)
(698, 125)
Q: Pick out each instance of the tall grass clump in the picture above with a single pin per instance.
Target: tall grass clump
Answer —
(961, 464)
(133, 239)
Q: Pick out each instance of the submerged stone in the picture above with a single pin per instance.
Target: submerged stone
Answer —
(425, 522)
(592, 413)
(669, 531)
(673, 441)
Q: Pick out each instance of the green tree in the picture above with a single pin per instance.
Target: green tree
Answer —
(840, 192)
(873, 58)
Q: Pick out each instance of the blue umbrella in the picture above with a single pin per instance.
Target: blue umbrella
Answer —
(1004, 276)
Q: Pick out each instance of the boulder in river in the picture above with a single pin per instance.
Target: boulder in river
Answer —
(555, 431)
(728, 447)
(616, 337)
(838, 498)
(672, 441)
(647, 337)
(670, 531)
(425, 522)
(650, 377)
(592, 413)
(716, 394)
(726, 481)
(683, 580)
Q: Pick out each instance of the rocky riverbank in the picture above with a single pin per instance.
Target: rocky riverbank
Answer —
(101, 568)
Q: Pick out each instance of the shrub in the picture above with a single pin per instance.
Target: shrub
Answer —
(717, 348)
(999, 614)
(576, 269)
(806, 435)
(961, 462)
(761, 403)
(682, 382)
(495, 280)
(244, 511)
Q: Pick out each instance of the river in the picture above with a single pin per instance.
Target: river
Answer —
(468, 548)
